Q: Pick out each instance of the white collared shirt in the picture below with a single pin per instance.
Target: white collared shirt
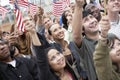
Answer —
(115, 28)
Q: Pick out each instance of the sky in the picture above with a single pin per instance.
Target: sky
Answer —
(4, 2)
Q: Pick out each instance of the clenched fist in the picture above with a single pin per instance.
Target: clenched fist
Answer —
(105, 26)
(80, 3)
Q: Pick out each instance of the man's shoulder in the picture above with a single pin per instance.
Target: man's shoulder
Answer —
(23, 59)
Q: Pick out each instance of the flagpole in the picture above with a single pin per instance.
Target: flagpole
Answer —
(40, 3)
(105, 11)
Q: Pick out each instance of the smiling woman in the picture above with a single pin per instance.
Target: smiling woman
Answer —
(53, 64)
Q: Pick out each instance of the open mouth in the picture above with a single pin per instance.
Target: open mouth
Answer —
(116, 6)
(61, 34)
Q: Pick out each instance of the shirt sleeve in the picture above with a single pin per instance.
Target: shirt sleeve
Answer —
(102, 62)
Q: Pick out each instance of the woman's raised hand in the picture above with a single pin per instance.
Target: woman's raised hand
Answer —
(80, 3)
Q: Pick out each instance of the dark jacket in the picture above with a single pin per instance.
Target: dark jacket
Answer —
(43, 39)
(47, 73)
(76, 56)
(25, 69)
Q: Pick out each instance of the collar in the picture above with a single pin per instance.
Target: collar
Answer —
(115, 22)
(4, 66)
(91, 40)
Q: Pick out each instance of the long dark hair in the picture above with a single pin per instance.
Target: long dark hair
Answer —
(64, 20)
(52, 71)
(112, 38)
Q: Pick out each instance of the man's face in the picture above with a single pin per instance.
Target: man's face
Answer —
(95, 11)
(113, 5)
(90, 24)
(4, 50)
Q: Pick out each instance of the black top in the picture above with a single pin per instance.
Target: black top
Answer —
(47, 73)
(25, 69)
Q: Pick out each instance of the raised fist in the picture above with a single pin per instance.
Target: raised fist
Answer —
(105, 26)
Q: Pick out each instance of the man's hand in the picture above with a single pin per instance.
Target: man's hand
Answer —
(105, 26)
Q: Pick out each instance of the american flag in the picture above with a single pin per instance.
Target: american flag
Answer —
(3, 11)
(57, 7)
(33, 9)
(26, 0)
(11, 1)
(22, 3)
(19, 20)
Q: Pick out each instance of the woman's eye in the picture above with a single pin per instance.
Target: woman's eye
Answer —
(52, 58)
(118, 44)
(58, 53)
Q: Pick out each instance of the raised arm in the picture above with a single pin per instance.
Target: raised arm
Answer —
(39, 50)
(30, 27)
(77, 22)
(101, 57)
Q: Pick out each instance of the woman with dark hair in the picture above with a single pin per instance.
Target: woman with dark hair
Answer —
(70, 52)
(57, 66)
(52, 63)
(67, 24)
(64, 19)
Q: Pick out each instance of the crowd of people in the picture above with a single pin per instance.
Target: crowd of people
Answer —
(81, 44)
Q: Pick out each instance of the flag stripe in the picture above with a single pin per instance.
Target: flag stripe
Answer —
(33, 9)
(22, 3)
(19, 21)
(3, 11)
(11, 1)
(57, 8)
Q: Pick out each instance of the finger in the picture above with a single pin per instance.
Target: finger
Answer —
(105, 18)
(104, 23)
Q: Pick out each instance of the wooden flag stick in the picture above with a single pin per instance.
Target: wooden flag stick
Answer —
(105, 11)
